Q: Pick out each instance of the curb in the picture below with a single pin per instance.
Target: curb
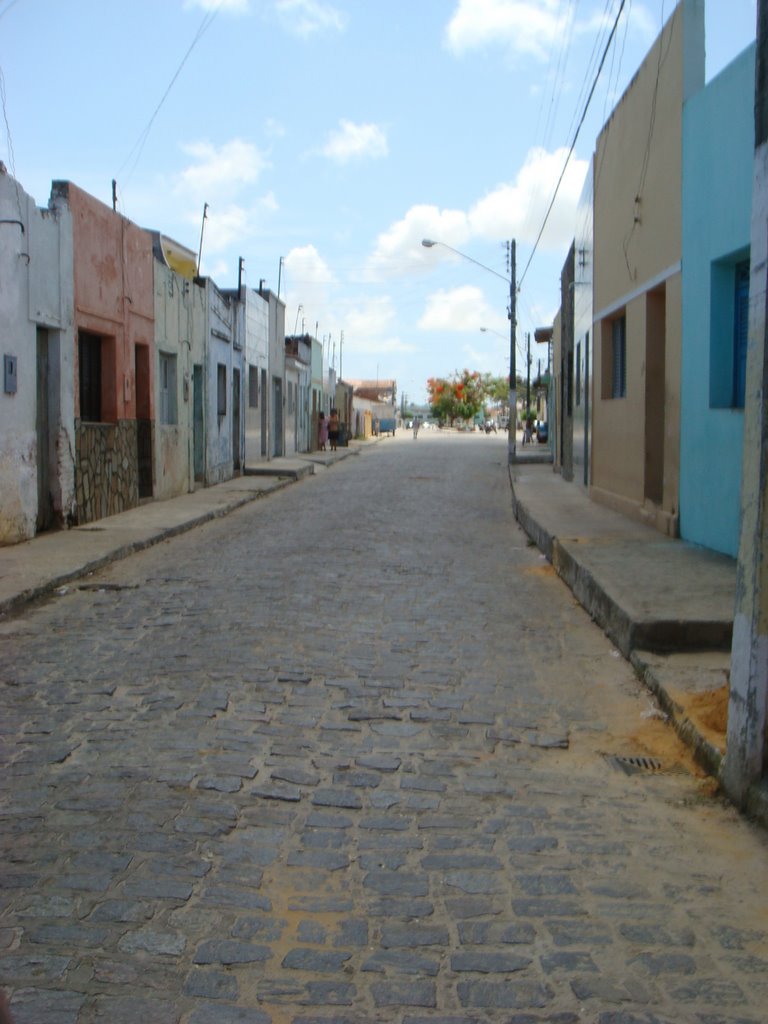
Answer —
(10, 605)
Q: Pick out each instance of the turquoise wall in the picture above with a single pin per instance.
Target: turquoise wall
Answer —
(718, 160)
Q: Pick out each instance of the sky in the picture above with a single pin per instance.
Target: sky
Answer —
(329, 137)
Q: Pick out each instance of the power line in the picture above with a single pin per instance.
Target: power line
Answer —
(573, 144)
(142, 139)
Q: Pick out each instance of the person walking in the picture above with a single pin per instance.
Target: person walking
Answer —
(333, 429)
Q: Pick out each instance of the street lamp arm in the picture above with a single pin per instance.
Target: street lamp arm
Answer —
(428, 243)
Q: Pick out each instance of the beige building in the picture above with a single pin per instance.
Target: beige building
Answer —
(637, 279)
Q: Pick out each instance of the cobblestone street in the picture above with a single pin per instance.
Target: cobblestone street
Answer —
(343, 756)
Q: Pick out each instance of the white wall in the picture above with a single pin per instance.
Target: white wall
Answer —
(37, 291)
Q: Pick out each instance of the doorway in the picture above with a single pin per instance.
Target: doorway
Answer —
(655, 395)
(143, 421)
(46, 427)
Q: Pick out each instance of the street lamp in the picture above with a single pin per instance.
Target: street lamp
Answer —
(428, 243)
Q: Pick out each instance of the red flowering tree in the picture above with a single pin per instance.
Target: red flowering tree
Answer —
(460, 397)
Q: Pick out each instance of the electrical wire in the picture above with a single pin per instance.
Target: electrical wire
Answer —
(7, 8)
(138, 146)
(573, 144)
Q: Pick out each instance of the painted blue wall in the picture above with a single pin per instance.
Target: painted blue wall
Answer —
(718, 160)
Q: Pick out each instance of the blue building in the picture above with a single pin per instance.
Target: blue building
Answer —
(718, 160)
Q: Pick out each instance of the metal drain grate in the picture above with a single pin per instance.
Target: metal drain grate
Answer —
(634, 765)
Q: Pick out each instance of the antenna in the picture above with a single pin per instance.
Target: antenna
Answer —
(202, 232)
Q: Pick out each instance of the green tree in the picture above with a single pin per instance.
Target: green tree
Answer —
(460, 397)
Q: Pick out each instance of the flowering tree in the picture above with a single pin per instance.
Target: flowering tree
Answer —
(460, 397)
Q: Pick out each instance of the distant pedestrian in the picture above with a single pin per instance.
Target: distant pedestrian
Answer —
(322, 433)
(416, 425)
(333, 429)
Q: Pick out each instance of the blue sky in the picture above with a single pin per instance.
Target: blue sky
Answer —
(329, 137)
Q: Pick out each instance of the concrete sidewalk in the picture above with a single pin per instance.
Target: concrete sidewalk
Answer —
(665, 604)
(38, 567)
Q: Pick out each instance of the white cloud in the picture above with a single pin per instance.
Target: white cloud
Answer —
(368, 327)
(399, 250)
(220, 171)
(529, 27)
(355, 141)
(306, 17)
(460, 309)
(517, 210)
(512, 210)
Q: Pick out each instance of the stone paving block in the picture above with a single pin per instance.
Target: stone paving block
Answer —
(408, 909)
(714, 992)
(46, 1006)
(23, 967)
(476, 882)
(321, 960)
(402, 962)
(329, 993)
(504, 995)
(396, 883)
(461, 861)
(344, 798)
(484, 933)
(657, 935)
(326, 860)
(267, 928)
(295, 776)
(409, 936)
(570, 961)
(129, 1009)
(353, 932)
(546, 884)
(548, 908)
(148, 940)
(487, 962)
(218, 1013)
(71, 936)
(323, 819)
(379, 762)
(210, 984)
(404, 993)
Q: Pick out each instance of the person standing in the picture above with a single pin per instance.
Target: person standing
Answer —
(333, 429)
(416, 425)
(322, 432)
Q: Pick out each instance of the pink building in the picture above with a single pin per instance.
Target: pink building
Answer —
(114, 355)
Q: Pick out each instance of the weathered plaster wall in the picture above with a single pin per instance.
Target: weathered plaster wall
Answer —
(35, 291)
(220, 352)
(256, 355)
(179, 332)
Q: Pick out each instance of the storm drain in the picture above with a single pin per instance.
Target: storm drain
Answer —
(634, 765)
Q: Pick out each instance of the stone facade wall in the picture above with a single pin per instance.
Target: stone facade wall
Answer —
(107, 474)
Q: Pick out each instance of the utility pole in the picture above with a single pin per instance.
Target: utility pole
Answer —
(512, 442)
(528, 374)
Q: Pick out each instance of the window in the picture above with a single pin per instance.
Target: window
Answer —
(168, 409)
(253, 387)
(89, 352)
(221, 390)
(729, 328)
(740, 332)
(619, 357)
